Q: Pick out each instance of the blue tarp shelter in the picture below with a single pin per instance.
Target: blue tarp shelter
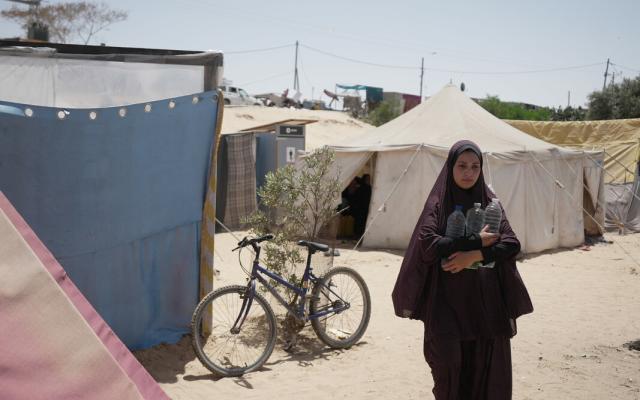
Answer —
(116, 190)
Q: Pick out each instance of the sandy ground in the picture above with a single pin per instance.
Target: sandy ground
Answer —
(571, 347)
(333, 127)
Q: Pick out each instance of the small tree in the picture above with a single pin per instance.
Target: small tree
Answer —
(383, 113)
(616, 101)
(65, 21)
(299, 203)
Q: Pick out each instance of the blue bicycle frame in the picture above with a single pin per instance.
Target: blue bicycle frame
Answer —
(257, 273)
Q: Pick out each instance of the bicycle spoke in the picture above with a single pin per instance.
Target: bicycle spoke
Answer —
(228, 350)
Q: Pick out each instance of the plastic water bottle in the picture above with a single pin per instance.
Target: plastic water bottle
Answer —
(455, 225)
(493, 216)
(475, 219)
(475, 223)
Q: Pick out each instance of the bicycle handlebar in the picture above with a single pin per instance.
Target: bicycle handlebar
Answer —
(246, 241)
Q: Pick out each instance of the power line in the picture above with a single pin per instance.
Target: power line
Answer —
(535, 71)
(451, 70)
(259, 50)
(623, 67)
(357, 61)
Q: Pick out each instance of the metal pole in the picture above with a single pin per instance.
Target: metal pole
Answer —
(296, 84)
(606, 72)
(421, 78)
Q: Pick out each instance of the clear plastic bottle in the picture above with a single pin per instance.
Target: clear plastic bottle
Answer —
(455, 225)
(475, 219)
(475, 223)
(493, 216)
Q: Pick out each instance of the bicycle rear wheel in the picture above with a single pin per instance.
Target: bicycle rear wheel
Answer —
(227, 352)
(339, 287)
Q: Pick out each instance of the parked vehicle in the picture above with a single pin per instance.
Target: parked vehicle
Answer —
(238, 97)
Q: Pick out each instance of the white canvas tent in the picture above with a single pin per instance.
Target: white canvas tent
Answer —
(544, 188)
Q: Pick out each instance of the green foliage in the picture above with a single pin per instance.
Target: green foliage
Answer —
(383, 113)
(568, 114)
(617, 101)
(299, 202)
(504, 110)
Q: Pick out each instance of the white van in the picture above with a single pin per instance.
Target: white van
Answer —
(238, 97)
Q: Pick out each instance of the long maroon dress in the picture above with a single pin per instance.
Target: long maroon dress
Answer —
(469, 317)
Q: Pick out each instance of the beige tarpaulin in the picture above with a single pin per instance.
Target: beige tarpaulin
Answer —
(619, 138)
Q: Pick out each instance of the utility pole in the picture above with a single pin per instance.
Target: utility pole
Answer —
(421, 78)
(35, 29)
(296, 84)
(613, 78)
(606, 72)
(569, 98)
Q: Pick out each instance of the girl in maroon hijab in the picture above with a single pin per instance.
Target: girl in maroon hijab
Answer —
(469, 314)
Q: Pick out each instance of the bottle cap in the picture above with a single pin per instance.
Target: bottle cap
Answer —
(458, 208)
(477, 205)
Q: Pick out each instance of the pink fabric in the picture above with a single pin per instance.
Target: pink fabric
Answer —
(145, 384)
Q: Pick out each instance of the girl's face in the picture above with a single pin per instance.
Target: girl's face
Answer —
(466, 170)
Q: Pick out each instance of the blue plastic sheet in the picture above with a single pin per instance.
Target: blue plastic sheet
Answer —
(117, 194)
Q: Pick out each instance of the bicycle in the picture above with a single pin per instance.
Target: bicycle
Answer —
(244, 331)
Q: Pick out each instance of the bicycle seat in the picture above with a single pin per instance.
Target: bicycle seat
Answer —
(312, 246)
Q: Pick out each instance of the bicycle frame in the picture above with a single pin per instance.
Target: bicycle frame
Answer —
(298, 312)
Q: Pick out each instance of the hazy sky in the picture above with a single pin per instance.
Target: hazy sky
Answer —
(491, 46)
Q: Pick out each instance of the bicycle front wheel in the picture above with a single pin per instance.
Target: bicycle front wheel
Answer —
(341, 289)
(223, 349)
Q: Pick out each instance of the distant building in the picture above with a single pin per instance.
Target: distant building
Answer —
(404, 102)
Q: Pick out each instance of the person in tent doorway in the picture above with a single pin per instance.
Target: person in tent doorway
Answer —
(361, 205)
(469, 314)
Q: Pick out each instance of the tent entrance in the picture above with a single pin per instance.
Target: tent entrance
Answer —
(355, 203)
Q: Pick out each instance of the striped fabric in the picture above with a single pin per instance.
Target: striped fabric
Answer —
(241, 179)
(209, 216)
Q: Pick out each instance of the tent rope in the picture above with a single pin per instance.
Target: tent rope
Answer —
(384, 203)
(575, 174)
(621, 164)
(561, 185)
(232, 234)
(610, 174)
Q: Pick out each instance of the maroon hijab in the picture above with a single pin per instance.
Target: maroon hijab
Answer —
(417, 281)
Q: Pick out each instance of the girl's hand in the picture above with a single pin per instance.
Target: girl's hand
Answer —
(488, 238)
(461, 260)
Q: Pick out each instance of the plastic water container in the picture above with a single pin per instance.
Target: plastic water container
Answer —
(493, 216)
(475, 219)
(475, 223)
(456, 223)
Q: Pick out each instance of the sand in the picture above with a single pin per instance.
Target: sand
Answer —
(571, 347)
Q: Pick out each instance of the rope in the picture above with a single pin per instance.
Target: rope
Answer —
(610, 174)
(575, 173)
(617, 161)
(384, 203)
(560, 185)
